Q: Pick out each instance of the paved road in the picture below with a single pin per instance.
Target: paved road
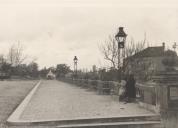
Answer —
(58, 100)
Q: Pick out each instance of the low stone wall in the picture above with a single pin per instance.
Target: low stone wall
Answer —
(158, 97)
(102, 87)
(148, 96)
(146, 93)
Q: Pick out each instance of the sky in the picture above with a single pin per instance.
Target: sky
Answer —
(54, 31)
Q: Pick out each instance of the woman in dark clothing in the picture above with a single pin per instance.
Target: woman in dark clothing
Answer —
(130, 88)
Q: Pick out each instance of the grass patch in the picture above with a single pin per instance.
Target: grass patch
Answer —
(11, 95)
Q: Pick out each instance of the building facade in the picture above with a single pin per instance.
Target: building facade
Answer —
(149, 61)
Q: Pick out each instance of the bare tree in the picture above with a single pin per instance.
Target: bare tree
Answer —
(16, 54)
(109, 49)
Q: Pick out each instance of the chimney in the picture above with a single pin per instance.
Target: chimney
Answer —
(163, 45)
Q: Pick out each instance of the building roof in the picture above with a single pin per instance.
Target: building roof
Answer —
(151, 52)
(50, 73)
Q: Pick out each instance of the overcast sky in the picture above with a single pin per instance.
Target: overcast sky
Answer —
(54, 31)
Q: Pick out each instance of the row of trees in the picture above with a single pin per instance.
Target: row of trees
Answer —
(13, 64)
(61, 70)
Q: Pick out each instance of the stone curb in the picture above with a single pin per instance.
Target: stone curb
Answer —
(15, 116)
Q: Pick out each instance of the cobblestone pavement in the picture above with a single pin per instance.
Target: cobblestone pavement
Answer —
(58, 100)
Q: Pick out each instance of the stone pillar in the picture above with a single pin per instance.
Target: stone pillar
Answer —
(169, 119)
(167, 99)
(169, 105)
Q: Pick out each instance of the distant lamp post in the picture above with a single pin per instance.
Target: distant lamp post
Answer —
(174, 46)
(75, 65)
(121, 39)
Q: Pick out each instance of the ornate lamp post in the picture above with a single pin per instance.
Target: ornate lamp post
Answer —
(174, 46)
(121, 38)
(75, 65)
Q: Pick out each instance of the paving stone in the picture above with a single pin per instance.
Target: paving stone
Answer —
(59, 100)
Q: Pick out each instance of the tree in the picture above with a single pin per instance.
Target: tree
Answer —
(2, 59)
(20, 70)
(62, 70)
(170, 59)
(16, 54)
(33, 69)
(110, 50)
(108, 75)
(4, 66)
(43, 72)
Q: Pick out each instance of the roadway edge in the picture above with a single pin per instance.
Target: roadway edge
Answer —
(15, 116)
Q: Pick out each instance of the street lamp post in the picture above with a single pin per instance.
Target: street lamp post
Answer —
(75, 65)
(174, 46)
(121, 38)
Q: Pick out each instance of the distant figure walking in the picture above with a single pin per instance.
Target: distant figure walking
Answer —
(130, 88)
